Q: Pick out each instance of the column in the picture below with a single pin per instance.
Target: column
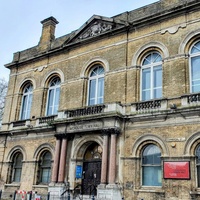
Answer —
(112, 164)
(56, 161)
(61, 174)
(104, 165)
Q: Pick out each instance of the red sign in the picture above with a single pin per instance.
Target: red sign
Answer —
(177, 170)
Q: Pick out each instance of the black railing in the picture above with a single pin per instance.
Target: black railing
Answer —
(19, 123)
(85, 111)
(48, 119)
(193, 98)
(148, 105)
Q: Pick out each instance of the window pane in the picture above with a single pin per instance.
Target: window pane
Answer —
(53, 96)
(152, 76)
(146, 84)
(92, 92)
(151, 176)
(29, 106)
(24, 107)
(17, 167)
(26, 102)
(198, 165)
(196, 48)
(157, 75)
(100, 92)
(146, 79)
(50, 102)
(195, 73)
(157, 92)
(198, 175)
(45, 176)
(151, 166)
(96, 86)
(57, 99)
(45, 167)
(17, 175)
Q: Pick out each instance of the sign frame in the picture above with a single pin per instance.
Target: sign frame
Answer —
(176, 170)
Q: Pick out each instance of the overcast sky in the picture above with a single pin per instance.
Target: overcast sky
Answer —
(21, 27)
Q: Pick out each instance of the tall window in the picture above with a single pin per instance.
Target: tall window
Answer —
(45, 167)
(195, 68)
(17, 167)
(151, 166)
(151, 77)
(26, 102)
(198, 165)
(96, 86)
(53, 97)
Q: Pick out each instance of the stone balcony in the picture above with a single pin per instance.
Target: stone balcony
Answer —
(190, 100)
(89, 112)
(185, 102)
(145, 107)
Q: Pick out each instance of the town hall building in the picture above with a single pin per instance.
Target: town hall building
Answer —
(108, 111)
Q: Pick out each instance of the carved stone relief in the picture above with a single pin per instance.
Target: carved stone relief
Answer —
(96, 29)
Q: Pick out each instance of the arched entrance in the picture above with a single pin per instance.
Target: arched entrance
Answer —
(91, 169)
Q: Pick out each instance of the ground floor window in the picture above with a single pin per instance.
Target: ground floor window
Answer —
(151, 166)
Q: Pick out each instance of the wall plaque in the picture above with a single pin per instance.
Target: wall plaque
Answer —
(176, 170)
(84, 126)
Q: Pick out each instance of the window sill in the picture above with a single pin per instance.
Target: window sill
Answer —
(12, 185)
(150, 189)
(40, 186)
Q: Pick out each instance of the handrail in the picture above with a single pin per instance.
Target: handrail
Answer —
(82, 191)
(90, 186)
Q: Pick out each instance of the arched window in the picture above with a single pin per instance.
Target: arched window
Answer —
(26, 102)
(96, 86)
(45, 167)
(53, 97)
(17, 167)
(194, 68)
(197, 153)
(151, 166)
(151, 76)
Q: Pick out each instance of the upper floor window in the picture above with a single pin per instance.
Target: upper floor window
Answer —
(197, 154)
(96, 86)
(53, 97)
(45, 167)
(26, 102)
(151, 166)
(17, 167)
(195, 68)
(151, 76)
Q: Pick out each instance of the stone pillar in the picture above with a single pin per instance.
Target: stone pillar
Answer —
(61, 174)
(104, 165)
(56, 161)
(112, 164)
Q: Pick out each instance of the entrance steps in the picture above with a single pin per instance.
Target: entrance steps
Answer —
(87, 197)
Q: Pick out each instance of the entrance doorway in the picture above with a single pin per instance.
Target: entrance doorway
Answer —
(92, 169)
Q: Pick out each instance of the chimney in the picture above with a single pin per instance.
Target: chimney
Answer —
(48, 31)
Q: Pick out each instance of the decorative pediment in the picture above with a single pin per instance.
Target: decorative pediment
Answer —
(95, 29)
(95, 26)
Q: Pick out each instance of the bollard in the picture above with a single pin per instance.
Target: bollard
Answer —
(48, 196)
(93, 197)
(14, 196)
(30, 195)
(68, 195)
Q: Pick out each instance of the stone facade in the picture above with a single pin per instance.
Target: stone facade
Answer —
(135, 136)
